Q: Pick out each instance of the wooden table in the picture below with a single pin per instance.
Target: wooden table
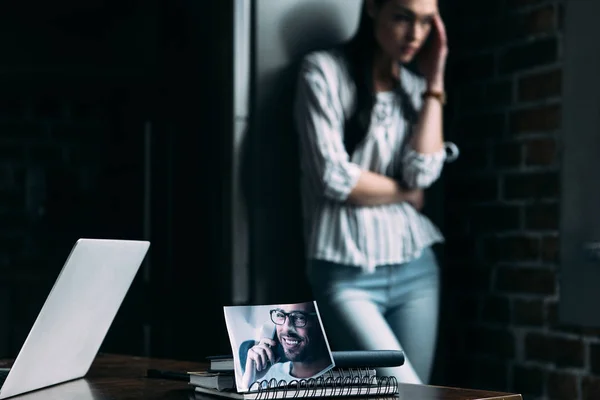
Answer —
(123, 377)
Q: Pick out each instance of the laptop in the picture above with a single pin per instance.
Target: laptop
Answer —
(71, 326)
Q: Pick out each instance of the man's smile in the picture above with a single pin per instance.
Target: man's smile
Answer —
(290, 342)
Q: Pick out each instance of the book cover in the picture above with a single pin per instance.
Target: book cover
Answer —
(212, 380)
(276, 345)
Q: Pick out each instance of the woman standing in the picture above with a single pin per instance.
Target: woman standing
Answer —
(371, 140)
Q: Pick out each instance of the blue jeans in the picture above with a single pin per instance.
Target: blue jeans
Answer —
(394, 308)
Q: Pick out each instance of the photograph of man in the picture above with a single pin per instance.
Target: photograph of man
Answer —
(292, 346)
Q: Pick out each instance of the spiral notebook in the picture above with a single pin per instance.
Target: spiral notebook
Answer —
(313, 387)
(281, 351)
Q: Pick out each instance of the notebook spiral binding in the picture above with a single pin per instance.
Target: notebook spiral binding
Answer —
(357, 379)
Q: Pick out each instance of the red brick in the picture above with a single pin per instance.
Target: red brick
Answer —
(539, 20)
(590, 388)
(561, 351)
(590, 331)
(540, 152)
(539, 185)
(526, 280)
(512, 248)
(528, 381)
(529, 312)
(562, 386)
(538, 347)
(540, 86)
(519, 25)
(545, 118)
(542, 216)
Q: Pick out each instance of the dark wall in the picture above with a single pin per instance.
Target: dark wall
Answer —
(500, 328)
(81, 81)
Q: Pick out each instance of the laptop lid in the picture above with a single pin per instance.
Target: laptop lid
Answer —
(76, 315)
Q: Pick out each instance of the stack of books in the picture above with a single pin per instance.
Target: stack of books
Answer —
(354, 375)
(219, 381)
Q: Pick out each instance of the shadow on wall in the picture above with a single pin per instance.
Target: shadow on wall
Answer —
(270, 164)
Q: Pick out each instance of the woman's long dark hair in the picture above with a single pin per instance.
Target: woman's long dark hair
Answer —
(360, 51)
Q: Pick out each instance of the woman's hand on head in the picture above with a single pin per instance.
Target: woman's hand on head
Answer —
(432, 59)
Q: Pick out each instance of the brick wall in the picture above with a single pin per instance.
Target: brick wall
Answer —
(500, 328)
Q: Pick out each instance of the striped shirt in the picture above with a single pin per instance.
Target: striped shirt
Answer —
(362, 236)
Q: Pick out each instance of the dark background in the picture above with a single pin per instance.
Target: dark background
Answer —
(80, 81)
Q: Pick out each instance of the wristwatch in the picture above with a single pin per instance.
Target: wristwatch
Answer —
(440, 96)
